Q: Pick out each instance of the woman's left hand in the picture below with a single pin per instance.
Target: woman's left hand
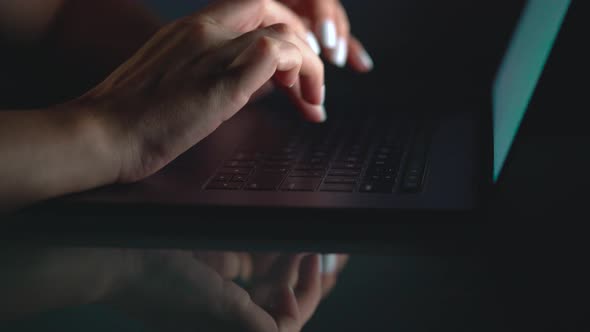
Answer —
(329, 22)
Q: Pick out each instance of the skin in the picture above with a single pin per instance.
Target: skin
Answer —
(250, 267)
(165, 289)
(188, 78)
(166, 88)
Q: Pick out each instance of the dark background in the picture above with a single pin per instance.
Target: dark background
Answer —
(528, 280)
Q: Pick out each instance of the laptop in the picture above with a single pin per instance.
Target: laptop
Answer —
(381, 149)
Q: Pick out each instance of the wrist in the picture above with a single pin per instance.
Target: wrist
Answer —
(90, 126)
(126, 272)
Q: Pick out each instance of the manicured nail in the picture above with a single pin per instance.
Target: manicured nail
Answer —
(328, 263)
(323, 94)
(341, 54)
(322, 113)
(313, 43)
(366, 59)
(328, 33)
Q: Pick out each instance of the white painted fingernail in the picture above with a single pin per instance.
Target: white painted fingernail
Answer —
(328, 33)
(341, 54)
(313, 43)
(328, 263)
(323, 94)
(322, 113)
(366, 59)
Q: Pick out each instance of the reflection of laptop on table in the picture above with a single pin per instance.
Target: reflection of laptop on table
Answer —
(404, 162)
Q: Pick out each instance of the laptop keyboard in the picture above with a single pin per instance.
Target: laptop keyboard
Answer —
(371, 156)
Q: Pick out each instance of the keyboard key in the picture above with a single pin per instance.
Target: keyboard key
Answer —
(341, 165)
(282, 157)
(372, 187)
(319, 154)
(240, 171)
(308, 174)
(238, 178)
(276, 170)
(279, 164)
(348, 159)
(300, 184)
(240, 164)
(336, 180)
(222, 177)
(411, 186)
(309, 167)
(382, 171)
(224, 186)
(344, 172)
(342, 187)
(245, 156)
(265, 181)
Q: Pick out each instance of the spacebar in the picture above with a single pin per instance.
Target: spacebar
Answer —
(265, 181)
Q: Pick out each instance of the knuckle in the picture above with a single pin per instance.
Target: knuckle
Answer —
(267, 46)
(282, 29)
(236, 298)
(237, 99)
(346, 27)
(320, 67)
(199, 29)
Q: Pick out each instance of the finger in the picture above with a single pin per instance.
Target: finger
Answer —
(267, 43)
(240, 16)
(308, 291)
(184, 292)
(311, 75)
(238, 309)
(265, 90)
(279, 13)
(269, 292)
(263, 262)
(253, 67)
(330, 275)
(245, 266)
(226, 263)
(285, 270)
(292, 307)
(358, 58)
(309, 112)
(340, 54)
(323, 18)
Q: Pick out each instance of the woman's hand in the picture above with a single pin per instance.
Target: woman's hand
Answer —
(329, 21)
(196, 73)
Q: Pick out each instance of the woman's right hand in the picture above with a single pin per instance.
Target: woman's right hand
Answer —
(196, 73)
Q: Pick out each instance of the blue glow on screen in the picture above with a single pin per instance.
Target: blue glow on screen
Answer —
(521, 69)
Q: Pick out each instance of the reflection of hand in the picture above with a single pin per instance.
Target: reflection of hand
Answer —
(171, 290)
(252, 266)
(167, 290)
(329, 21)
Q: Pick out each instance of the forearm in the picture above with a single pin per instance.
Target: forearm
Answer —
(48, 153)
(34, 280)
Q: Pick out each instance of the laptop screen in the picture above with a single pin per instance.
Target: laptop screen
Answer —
(521, 69)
